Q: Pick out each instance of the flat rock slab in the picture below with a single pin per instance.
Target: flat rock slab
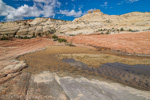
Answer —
(49, 86)
(43, 86)
(84, 89)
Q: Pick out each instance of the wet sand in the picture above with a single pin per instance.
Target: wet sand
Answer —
(48, 60)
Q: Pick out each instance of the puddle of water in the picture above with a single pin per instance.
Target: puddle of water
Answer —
(135, 75)
(78, 64)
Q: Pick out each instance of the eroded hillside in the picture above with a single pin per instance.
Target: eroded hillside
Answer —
(92, 22)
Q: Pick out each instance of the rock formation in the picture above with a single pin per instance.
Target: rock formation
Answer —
(89, 23)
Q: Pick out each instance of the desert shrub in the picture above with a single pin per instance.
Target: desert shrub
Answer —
(24, 37)
(70, 44)
(72, 35)
(108, 32)
(121, 29)
(7, 34)
(130, 30)
(33, 36)
(134, 31)
(100, 30)
(102, 33)
(62, 40)
(6, 38)
(118, 30)
(55, 37)
(62, 32)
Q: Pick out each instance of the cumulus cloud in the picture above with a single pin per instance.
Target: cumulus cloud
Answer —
(5, 9)
(44, 8)
(71, 13)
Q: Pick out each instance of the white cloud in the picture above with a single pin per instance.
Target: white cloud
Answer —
(5, 9)
(23, 11)
(126, 1)
(131, 1)
(71, 13)
(92, 9)
(44, 8)
(105, 5)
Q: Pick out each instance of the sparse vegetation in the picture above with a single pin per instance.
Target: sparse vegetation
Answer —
(102, 33)
(7, 37)
(33, 36)
(4, 38)
(55, 37)
(58, 39)
(130, 30)
(25, 37)
(72, 35)
(108, 32)
(62, 40)
(100, 30)
(121, 29)
(133, 30)
(70, 44)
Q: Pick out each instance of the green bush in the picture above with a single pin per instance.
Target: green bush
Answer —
(100, 30)
(102, 33)
(6, 37)
(121, 29)
(33, 36)
(130, 30)
(108, 32)
(55, 37)
(62, 40)
(24, 37)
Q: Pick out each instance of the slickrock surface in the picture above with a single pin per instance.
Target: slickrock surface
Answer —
(42, 76)
(138, 43)
(9, 50)
(49, 86)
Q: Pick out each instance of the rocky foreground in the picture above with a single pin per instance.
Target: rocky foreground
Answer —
(35, 78)
(49, 86)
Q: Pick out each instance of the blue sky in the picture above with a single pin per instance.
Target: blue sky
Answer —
(11, 10)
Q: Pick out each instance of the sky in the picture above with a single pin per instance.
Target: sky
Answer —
(11, 10)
